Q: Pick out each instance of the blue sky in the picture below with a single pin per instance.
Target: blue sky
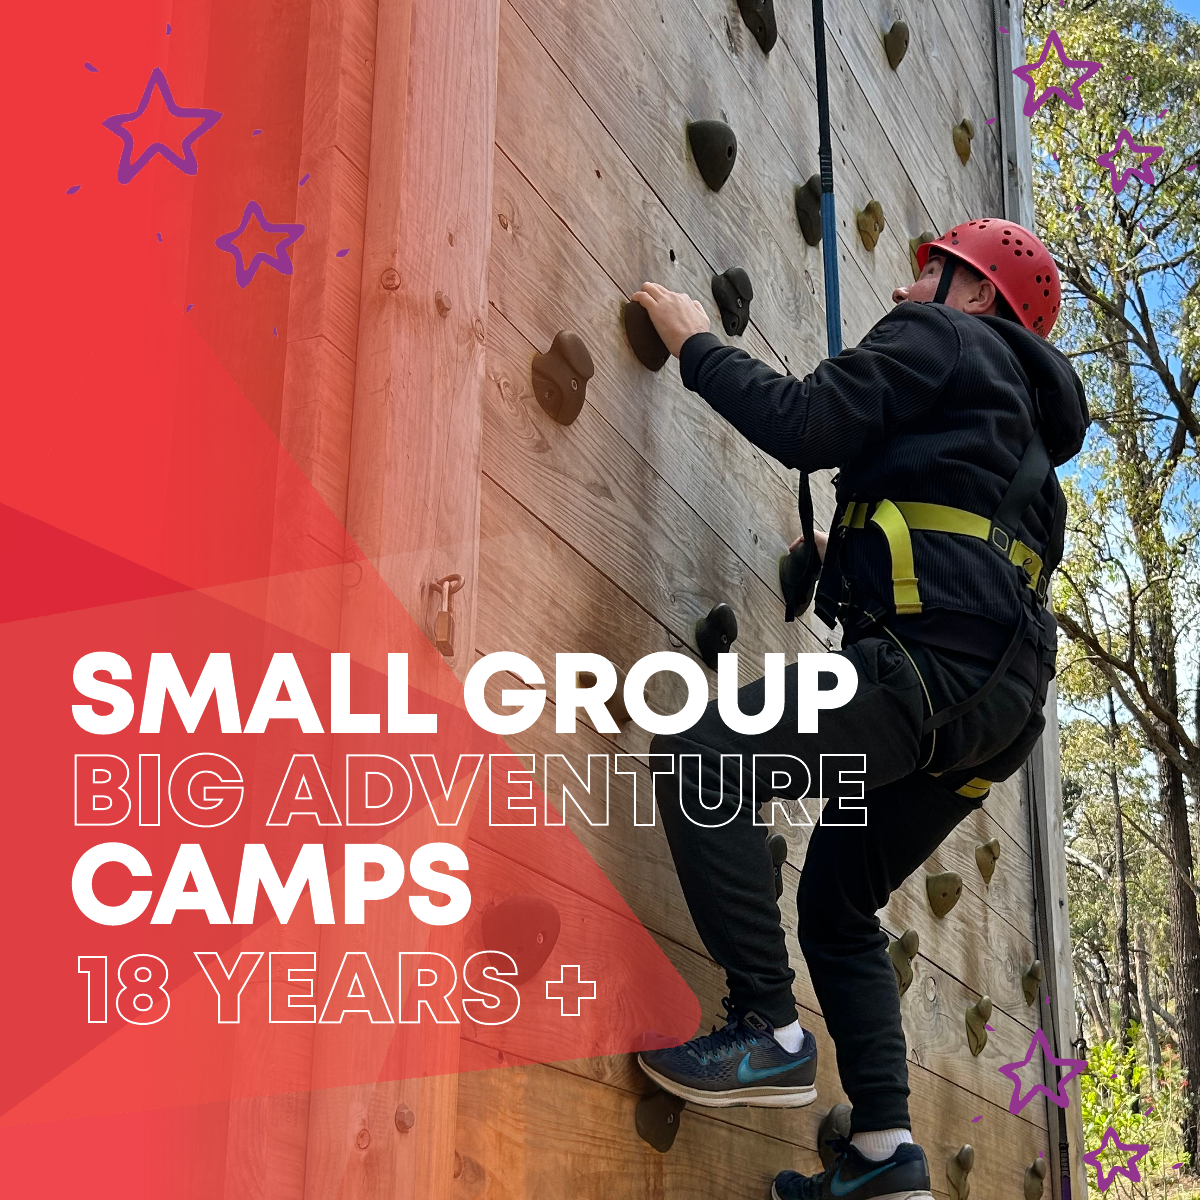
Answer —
(1191, 7)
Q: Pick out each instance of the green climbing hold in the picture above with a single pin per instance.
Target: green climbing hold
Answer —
(895, 43)
(986, 856)
(733, 292)
(977, 1018)
(714, 147)
(560, 376)
(835, 1124)
(1035, 1179)
(808, 209)
(1031, 981)
(913, 243)
(650, 349)
(958, 1169)
(962, 133)
(902, 951)
(870, 224)
(943, 891)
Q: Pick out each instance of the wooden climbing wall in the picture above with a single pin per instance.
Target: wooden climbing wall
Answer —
(614, 534)
(503, 170)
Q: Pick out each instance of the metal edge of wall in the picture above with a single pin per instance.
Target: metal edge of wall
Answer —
(1043, 779)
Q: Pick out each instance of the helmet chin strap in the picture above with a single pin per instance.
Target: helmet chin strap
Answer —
(947, 275)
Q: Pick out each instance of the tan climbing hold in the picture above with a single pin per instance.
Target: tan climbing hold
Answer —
(913, 243)
(902, 951)
(895, 43)
(1035, 1179)
(870, 224)
(986, 855)
(943, 891)
(962, 133)
(957, 1170)
(977, 1018)
(1031, 980)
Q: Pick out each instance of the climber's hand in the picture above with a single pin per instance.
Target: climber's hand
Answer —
(820, 539)
(676, 315)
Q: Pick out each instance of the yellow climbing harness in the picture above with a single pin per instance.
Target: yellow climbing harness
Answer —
(897, 519)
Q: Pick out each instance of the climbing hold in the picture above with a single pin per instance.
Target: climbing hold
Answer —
(962, 133)
(870, 224)
(560, 376)
(650, 349)
(1031, 980)
(1035, 1178)
(523, 927)
(759, 16)
(799, 570)
(616, 702)
(808, 209)
(714, 147)
(733, 292)
(957, 1170)
(977, 1018)
(943, 891)
(895, 43)
(777, 844)
(834, 1124)
(913, 243)
(657, 1119)
(986, 855)
(902, 951)
(716, 633)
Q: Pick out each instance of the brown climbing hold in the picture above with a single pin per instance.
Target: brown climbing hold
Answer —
(962, 133)
(650, 349)
(986, 855)
(895, 43)
(656, 1119)
(902, 951)
(870, 224)
(759, 16)
(957, 1170)
(523, 927)
(560, 376)
(616, 702)
(1031, 981)
(913, 243)
(977, 1018)
(808, 209)
(1035, 1179)
(835, 1124)
(777, 845)
(943, 891)
(714, 147)
(733, 292)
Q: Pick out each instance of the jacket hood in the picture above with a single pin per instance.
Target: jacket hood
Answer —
(1063, 416)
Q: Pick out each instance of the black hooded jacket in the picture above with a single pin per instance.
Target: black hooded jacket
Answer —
(932, 405)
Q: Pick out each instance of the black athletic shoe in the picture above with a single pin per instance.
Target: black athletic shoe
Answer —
(904, 1176)
(741, 1064)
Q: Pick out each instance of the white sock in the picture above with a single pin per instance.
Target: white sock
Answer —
(790, 1037)
(880, 1143)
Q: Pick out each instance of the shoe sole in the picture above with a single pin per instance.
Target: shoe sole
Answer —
(748, 1097)
(886, 1195)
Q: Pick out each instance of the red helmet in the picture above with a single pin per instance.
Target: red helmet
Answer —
(1014, 259)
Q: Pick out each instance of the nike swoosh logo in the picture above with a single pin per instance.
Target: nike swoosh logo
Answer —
(840, 1187)
(748, 1074)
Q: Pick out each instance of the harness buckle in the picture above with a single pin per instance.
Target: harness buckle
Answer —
(1000, 538)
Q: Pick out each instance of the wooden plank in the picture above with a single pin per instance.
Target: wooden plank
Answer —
(413, 501)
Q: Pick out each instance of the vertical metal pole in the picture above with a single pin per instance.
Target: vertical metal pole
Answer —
(833, 303)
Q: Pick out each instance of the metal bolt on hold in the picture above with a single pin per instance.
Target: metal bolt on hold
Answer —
(390, 279)
(442, 303)
(364, 1138)
(405, 1118)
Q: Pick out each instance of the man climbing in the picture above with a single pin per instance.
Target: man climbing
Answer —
(944, 423)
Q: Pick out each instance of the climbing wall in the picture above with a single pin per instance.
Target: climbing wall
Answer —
(616, 532)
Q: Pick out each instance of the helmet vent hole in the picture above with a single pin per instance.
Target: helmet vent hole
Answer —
(1039, 279)
(1024, 307)
(1005, 241)
(1030, 253)
(1017, 253)
(1019, 242)
(1008, 233)
(1046, 292)
(993, 266)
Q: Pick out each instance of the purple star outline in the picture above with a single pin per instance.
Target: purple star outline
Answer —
(1009, 1070)
(1092, 1158)
(1144, 171)
(279, 260)
(1034, 102)
(187, 163)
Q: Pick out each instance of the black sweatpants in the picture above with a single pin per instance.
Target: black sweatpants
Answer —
(849, 870)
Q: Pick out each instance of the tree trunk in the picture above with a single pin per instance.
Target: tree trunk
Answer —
(1126, 999)
(1153, 1051)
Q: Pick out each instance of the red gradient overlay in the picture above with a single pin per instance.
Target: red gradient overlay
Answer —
(146, 505)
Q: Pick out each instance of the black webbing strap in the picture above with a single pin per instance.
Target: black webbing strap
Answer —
(943, 287)
(1020, 494)
(805, 506)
